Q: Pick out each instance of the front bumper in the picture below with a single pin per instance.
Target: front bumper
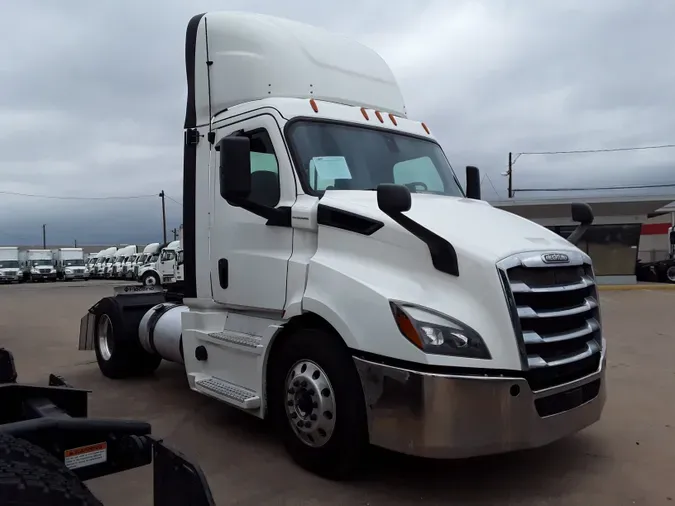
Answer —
(42, 275)
(444, 416)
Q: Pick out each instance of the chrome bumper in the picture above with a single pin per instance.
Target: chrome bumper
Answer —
(442, 416)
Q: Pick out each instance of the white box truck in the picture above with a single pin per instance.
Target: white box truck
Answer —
(10, 271)
(69, 263)
(38, 265)
(337, 277)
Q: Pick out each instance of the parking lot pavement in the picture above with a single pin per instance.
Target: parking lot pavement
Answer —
(628, 458)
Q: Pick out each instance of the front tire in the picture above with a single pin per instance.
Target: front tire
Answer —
(318, 405)
(150, 279)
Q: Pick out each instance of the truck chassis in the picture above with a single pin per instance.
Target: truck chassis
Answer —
(48, 447)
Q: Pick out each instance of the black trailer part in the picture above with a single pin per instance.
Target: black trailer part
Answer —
(54, 418)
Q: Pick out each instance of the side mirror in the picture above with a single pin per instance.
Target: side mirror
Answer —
(393, 198)
(472, 182)
(235, 167)
(672, 237)
(583, 215)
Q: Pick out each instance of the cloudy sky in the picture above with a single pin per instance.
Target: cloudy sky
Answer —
(93, 98)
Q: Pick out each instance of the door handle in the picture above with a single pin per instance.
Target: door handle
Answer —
(223, 272)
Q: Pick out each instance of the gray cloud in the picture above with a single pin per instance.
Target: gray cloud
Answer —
(93, 97)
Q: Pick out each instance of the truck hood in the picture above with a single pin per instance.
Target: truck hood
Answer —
(473, 227)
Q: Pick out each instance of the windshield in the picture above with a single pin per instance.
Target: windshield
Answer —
(73, 262)
(35, 263)
(153, 258)
(168, 254)
(8, 264)
(346, 157)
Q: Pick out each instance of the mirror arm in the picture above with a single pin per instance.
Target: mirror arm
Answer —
(275, 216)
(578, 233)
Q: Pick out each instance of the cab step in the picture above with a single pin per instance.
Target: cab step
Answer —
(228, 392)
(239, 340)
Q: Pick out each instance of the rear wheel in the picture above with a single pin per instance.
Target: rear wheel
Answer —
(32, 477)
(118, 350)
(670, 274)
(317, 403)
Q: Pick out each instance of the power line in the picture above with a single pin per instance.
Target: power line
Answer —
(173, 200)
(606, 150)
(121, 197)
(627, 187)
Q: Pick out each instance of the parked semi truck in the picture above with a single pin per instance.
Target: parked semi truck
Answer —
(337, 277)
(69, 263)
(10, 271)
(38, 265)
(660, 271)
(146, 269)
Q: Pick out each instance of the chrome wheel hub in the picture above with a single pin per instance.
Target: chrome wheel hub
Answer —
(310, 403)
(104, 335)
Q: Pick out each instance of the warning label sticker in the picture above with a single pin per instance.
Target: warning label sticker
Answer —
(86, 455)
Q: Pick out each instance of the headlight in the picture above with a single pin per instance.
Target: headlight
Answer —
(438, 334)
(69, 271)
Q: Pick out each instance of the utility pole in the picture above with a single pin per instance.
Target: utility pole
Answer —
(510, 174)
(174, 231)
(44, 236)
(161, 195)
(75, 240)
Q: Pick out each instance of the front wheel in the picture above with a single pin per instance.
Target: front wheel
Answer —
(150, 279)
(317, 403)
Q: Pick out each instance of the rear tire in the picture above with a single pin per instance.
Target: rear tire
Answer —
(335, 443)
(32, 477)
(118, 350)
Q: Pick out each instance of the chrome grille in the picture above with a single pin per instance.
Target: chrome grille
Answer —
(556, 316)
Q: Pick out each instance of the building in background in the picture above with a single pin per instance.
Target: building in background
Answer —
(614, 239)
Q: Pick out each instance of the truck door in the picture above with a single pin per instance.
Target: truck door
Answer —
(166, 264)
(249, 259)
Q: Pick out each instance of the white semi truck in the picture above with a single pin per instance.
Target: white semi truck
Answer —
(10, 271)
(146, 268)
(38, 265)
(339, 280)
(69, 263)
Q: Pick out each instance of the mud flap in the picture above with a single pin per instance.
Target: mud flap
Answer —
(177, 481)
(87, 323)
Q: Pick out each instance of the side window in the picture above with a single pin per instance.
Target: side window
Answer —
(265, 189)
(419, 174)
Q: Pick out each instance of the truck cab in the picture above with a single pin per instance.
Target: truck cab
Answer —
(166, 266)
(39, 265)
(341, 280)
(10, 271)
(108, 262)
(69, 263)
(147, 269)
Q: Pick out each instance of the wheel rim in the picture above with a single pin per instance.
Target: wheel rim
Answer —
(104, 333)
(670, 274)
(310, 403)
(150, 281)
